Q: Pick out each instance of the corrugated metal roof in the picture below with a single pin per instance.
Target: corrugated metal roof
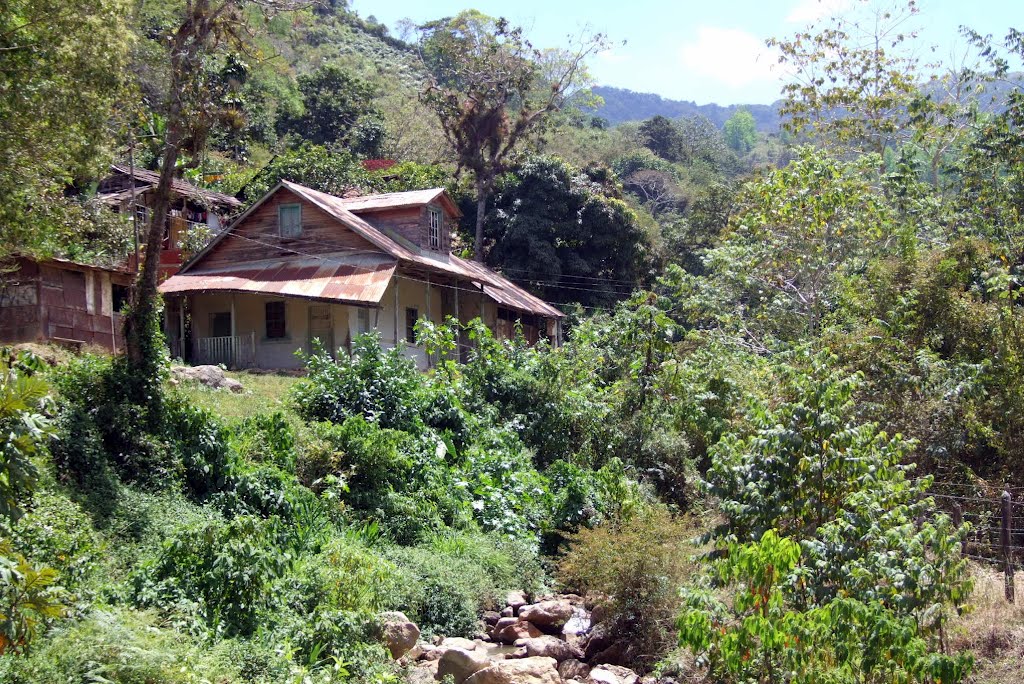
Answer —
(494, 285)
(181, 187)
(356, 278)
(505, 292)
(397, 200)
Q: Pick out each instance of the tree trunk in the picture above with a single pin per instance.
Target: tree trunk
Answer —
(481, 208)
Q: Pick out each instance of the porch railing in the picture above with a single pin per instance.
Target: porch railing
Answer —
(238, 351)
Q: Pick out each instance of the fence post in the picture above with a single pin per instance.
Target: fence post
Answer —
(958, 522)
(1004, 539)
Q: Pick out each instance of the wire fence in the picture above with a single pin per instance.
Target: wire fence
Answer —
(996, 524)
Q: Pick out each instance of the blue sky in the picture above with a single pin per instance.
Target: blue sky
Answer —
(706, 50)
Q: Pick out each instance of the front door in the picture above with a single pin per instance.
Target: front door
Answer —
(321, 328)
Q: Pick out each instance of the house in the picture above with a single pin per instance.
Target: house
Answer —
(301, 265)
(55, 300)
(191, 207)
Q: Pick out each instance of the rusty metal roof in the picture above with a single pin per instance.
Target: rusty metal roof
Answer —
(394, 248)
(505, 292)
(398, 200)
(180, 186)
(359, 278)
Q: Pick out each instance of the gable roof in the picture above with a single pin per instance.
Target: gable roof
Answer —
(400, 200)
(497, 287)
(179, 186)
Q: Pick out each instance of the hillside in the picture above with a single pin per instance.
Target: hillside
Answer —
(622, 105)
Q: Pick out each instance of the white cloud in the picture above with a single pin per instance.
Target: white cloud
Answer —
(810, 11)
(732, 57)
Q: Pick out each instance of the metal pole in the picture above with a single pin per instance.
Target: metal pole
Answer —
(135, 217)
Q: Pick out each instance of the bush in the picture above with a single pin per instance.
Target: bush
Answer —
(56, 532)
(215, 576)
(123, 646)
(635, 566)
(381, 386)
(444, 584)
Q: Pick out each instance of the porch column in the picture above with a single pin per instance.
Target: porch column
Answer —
(396, 312)
(181, 327)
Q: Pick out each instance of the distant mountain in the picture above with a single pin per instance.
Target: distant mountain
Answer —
(625, 105)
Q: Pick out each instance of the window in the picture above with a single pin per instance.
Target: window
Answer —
(220, 324)
(141, 214)
(289, 220)
(121, 295)
(275, 320)
(435, 222)
(363, 322)
(411, 316)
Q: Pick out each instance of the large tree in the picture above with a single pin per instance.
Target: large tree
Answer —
(186, 92)
(490, 89)
(563, 232)
(61, 79)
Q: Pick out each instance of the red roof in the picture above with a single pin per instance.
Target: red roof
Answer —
(356, 278)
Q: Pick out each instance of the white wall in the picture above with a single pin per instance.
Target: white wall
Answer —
(250, 319)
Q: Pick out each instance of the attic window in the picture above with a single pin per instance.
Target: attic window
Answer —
(289, 220)
(434, 228)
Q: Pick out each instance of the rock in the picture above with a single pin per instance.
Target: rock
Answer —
(460, 664)
(616, 654)
(208, 376)
(432, 654)
(510, 633)
(398, 633)
(416, 651)
(507, 612)
(612, 674)
(421, 674)
(550, 614)
(573, 669)
(525, 671)
(549, 647)
(516, 600)
(600, 639)
(458, 642)
(599, 613)
(491, 617)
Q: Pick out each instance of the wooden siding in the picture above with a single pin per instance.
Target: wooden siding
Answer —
(411, 223)
(58, 300)
(257, 237)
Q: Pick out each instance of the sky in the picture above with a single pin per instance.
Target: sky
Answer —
(701, 50)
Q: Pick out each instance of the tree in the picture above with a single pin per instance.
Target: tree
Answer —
(61, 80)
(338, 109)
(490, 88)
(852, 86)
(562, 232)
(187, 95)
(741, 131)
(661, 136)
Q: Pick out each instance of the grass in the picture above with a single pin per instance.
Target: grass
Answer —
(993, 631)
(264, 393)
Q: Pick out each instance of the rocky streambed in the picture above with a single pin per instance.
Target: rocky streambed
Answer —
(554, 639)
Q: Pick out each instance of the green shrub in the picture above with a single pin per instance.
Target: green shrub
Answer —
(216, 575)
(381, 386)
(25, 428)
(56, 532)
(124, 646)
(266, 437)
(636, 565)
(30, 600)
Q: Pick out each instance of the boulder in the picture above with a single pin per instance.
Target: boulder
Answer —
(507, 612)
(208, 376)
(612, 674)
(458, 642)
(491, 617)
(398, 633)
(573, 669)
(422, 673)
(461, 664)
(549, 647)
(510, 633)
(516, 600)
(547, 614)
(525, 671)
